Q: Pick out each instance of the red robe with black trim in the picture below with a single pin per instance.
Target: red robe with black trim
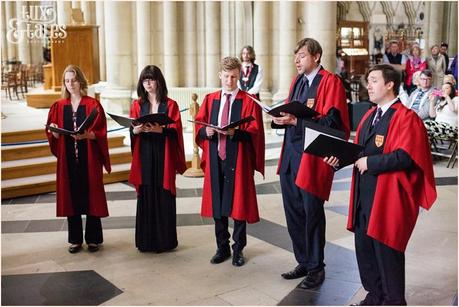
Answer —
(174, 153)
(250, 157)
(399, 194)
(97, 157)
(314, 175)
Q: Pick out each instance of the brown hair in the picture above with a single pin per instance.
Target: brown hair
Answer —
(79, 76)
(312, 46)
(389, 73)
(230, 63)
(251, 53)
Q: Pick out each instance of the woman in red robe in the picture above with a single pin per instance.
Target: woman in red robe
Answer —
(157, 156)
(80, 158)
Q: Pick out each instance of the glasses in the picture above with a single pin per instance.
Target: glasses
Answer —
(146, 81)
(425, 79)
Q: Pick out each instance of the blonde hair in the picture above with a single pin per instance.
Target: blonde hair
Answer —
(79, 76)
(449, 79)
(230, 63)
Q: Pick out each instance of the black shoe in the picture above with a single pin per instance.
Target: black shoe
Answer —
(220, 256)
(368, 301)
(238, 259)
(299, 271)
(92, 247)
(74, 248)
(313, 279)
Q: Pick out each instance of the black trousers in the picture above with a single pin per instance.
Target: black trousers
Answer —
(305, 223)
(93, 230)
(221, 224)
(381, 268)
(222, 234)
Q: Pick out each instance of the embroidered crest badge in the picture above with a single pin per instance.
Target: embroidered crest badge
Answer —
(310, 103)
(379, 140)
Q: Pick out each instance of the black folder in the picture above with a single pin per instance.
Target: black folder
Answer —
(224, 128)
(326, 142)
(84, 125)
(159, 118)
(296, 108)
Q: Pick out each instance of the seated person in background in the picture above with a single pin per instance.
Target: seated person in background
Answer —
(394, 57)
(444, 112)
(419, 99)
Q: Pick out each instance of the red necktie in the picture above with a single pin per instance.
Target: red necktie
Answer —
(224, 122)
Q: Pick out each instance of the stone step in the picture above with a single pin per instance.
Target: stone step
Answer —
(47, 165)
(47, 183)
(17, 152)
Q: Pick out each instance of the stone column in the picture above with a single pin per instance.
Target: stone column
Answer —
(76, 4)
(10, 13)
(88, 8)
(287, 42)
(100, 21)
(321, 25)
(4, 31)
(143, 35)
(243, 25)
(119, 63)
(23, 44)
(212, 52)
(227, 37)
(201, 43)
(64, 12)
(171, 67)
(450, 27)
(435, 26)
(261, 43)
(189, 62)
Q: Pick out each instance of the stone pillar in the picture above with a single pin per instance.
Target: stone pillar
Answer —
(287, 42)
(227, 28)
(171, 67)
(243, 25)
(4, 31)
(321, 25)
(157, 34)
(261, 43)
(435, 25)
(100, 21)
(23, 44)
(88, 8)
(201, 43)
(212, 52)
(450, 27)
(64, 12)
(118, 39)
(143, 35)
(189, 62)
(76, 4)
(10, 13)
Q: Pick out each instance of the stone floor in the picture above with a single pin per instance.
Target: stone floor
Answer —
(38, 270)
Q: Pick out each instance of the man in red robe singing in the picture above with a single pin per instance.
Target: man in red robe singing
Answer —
(229, 160)
(391, 180)
(305, 179)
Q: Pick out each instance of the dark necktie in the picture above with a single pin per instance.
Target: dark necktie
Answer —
(224, 122)
(303, 87)
(377, 117)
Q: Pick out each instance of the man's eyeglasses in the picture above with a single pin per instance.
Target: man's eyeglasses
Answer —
(425, 79)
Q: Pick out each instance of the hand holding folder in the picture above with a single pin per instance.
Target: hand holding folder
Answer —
(229, 126)
(80, 130)
(326, 142)
(159, 118)
(295, 108)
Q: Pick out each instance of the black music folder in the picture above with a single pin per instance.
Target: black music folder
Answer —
(81, 129)
(295, 108)
(224, 128)
(159, 118)
(326, 142)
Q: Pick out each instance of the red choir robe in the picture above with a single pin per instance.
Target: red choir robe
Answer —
(314, 175)
(97, 157)
(174, 153)
(250, 157)
(399, 194)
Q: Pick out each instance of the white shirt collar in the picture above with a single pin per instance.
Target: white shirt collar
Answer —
(386, 107)
(233, 93)
(313, 74)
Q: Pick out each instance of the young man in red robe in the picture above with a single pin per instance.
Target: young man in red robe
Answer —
(305, 179)
(392, 179)
(229, 160)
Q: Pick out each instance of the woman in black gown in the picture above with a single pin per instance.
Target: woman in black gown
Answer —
(158, 155)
